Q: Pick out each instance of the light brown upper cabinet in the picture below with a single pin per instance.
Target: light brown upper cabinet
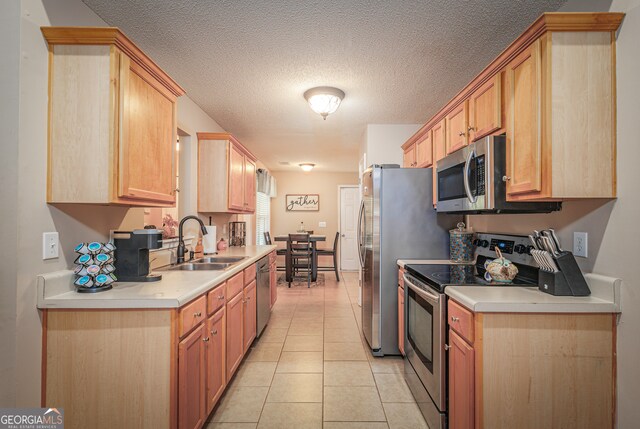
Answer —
(112, 121)
(226, 175)
(409, 156)
(485, 109)
(457, 129)
(561, 118)
(424, 151)
(553, 93)
(418, 153)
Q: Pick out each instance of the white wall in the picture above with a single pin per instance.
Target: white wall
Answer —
(24, 186)
(9, 120)
(612, 225)
(381, 142)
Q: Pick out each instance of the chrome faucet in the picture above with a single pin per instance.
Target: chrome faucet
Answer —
(181, 247)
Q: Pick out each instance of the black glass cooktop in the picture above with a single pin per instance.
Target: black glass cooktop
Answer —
(441, 275)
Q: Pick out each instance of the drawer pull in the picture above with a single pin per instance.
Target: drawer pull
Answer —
(198, 314)
(447, 346)
(214, 332)
(221, 297)
(206, 340)
(461, 133)
(455, 319)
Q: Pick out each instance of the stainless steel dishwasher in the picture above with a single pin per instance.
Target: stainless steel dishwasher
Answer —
(263, 294)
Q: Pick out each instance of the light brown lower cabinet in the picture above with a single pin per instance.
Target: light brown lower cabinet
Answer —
(191, 379)
(216, 357)
(147, 368)
(401, 320)
(235, 345)
(531, 370)
(250, 315)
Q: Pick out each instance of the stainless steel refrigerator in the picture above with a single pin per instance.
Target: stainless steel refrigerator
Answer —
(396, 221)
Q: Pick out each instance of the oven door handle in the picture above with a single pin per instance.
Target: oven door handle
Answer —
(467, 188)
(433, 298)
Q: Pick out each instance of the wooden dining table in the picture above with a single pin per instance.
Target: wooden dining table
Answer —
(314, 260)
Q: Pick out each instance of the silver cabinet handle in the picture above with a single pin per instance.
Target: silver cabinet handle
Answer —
(423, 293)
(214, 332)
(447, 346)
(470, 129)
(465, 179)
(454, 319)
(206, 340)
(198, 314)
(461, 134)
(221, 297)
(506, 178)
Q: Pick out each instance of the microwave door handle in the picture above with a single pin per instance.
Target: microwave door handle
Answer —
(433, 298)
(359, 233)
(467, 187)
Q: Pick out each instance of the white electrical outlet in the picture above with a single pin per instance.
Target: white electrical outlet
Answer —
(322, 224)
(581, 244)
(50, 245)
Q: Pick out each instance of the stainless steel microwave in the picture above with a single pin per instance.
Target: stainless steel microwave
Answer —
(471, 180)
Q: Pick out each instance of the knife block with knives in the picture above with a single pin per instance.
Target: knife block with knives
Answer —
(559, 272)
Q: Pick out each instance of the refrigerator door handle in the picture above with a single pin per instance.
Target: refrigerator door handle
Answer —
(359, 234)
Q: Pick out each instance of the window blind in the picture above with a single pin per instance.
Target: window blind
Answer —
(263, 216)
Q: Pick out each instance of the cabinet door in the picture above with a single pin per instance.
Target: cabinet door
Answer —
(409, 157)
(235, 349)
(147, 155)
(524, 144)
(401, 320)
(191, 380)
(485, 113)
(457, 132)
(216, 358)
(461, 383)
(439, 152)
(249, 185)
(236, 178)
(273, 283)
(424, 151)
(250, 315)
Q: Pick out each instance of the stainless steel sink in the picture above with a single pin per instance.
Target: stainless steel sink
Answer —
(221, 259)
(199, 267)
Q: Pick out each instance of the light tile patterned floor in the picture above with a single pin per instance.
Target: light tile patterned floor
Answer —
(311, 368)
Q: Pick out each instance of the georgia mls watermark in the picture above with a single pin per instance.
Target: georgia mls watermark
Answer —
(31, 418)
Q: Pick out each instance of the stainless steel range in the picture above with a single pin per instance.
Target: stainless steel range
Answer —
(426, 315)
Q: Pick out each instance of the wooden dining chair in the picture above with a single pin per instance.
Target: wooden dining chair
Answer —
(279, 252)
(299, 257)
(331, 252)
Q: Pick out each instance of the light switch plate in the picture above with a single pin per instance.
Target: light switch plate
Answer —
(50, 245)
(322, 224)
(581, 244)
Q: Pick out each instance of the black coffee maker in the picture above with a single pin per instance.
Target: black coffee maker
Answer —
(132, 254)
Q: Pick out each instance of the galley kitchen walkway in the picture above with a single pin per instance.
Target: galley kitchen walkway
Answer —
(311, 369)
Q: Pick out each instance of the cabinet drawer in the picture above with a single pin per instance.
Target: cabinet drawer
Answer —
(216, 298)
(192, 314)
(249, 274)
(272, 257)
(234, 285)
(461, 321)
(401, 277)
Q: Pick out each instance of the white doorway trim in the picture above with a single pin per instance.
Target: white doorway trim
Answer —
(340, 187)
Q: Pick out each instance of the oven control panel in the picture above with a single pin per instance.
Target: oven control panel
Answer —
(514, 247)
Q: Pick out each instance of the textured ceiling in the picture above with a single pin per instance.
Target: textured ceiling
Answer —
(247, 63)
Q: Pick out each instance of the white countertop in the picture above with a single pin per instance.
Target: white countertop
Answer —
(604, 298)
(56, 290)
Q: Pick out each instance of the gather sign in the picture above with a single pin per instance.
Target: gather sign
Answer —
(303, 202)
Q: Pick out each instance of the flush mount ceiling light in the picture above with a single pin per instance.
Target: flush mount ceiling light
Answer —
(324, 100)
(307, 166)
